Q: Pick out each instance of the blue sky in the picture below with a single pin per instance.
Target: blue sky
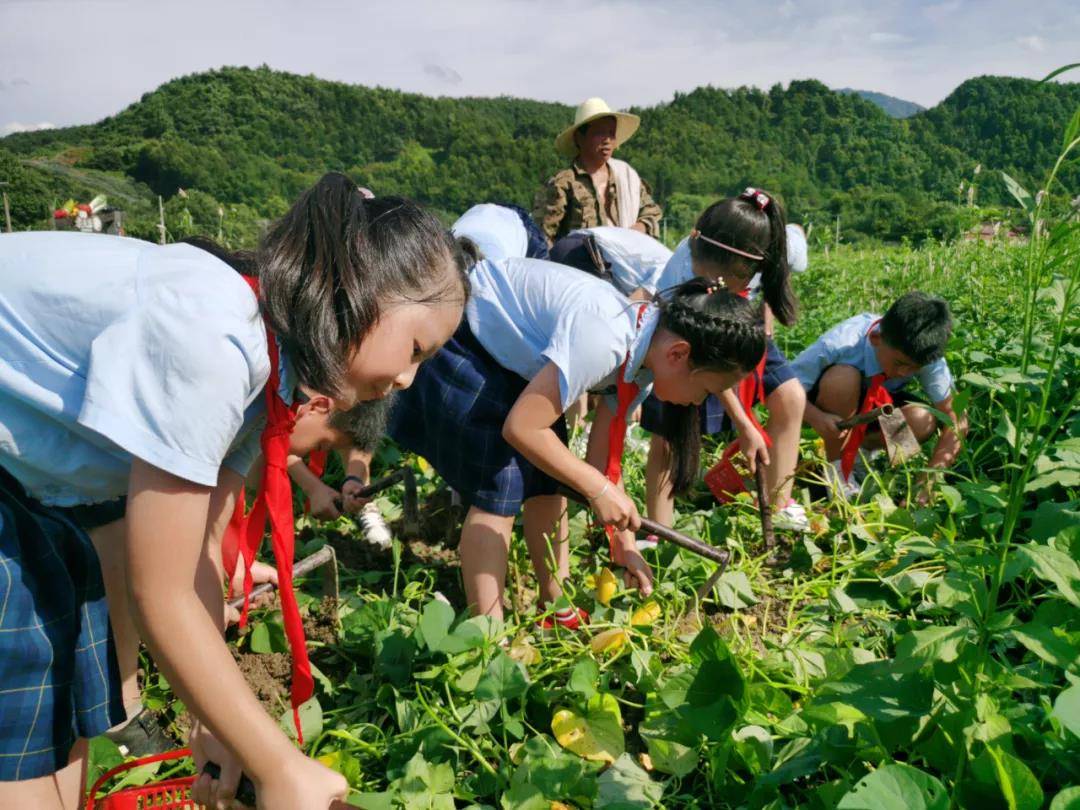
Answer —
(75, 61)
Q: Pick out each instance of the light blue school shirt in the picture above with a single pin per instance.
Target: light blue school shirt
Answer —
(636, 258)
(528, 313)
(113, 349)
(680, 268)
(848, 343)
(497, 230)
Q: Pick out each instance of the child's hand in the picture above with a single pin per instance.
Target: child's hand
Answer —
(350, 495)
(216, 794)
(305, 785)
(260, 573)
(638, 574)
(613, 507)
(323, 501)
(754, 448)
(827, 428)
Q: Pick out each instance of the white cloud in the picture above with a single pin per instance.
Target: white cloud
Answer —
(16, 126)
(888, 38)
(1032, 43)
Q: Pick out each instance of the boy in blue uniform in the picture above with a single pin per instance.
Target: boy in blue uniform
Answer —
(868, 360)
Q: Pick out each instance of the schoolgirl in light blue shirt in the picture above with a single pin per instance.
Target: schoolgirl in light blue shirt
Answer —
(487, 410)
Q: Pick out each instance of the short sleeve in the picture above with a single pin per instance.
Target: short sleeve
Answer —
(172, 389)
(936, 380)
(811, 362)
(585, 349)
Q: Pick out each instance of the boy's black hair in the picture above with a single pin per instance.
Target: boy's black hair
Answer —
(918, 325)
(725, 333)
(740, 223)
(364, 423)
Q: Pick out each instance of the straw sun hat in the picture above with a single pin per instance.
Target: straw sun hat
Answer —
(626, 125)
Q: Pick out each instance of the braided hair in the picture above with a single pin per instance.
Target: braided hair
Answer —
(726, 334)
(753, 223)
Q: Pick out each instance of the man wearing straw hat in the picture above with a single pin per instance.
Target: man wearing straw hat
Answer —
(596, 189)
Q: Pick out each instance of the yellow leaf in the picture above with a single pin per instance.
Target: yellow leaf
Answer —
(524, 653)
(330, 760)
(646, 615)
(597, 736)
(646, 761)
(609, 641)
(560, 806)
(606, 586)
(423, 464)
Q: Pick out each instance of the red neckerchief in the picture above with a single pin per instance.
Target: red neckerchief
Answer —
(626, 392)
(752, 388)
(274, 502)
(876, 396)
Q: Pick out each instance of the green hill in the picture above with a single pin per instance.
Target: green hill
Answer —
(891, 105)
(243, 142)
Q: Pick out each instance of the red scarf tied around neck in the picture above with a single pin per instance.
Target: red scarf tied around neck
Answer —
(274, 503)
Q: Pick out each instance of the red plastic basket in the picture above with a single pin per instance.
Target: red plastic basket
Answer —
(723, 480)
(173, 794)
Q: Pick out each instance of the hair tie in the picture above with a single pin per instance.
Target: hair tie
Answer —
(757, 196)
(696, 234)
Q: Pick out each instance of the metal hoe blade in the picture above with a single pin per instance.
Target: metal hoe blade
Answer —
(900, 442)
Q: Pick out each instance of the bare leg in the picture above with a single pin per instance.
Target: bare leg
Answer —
(659, 495)
(484, 550)
(108, 541)
(785, 406)
(545, 517)
(838, 392)
(62, 790)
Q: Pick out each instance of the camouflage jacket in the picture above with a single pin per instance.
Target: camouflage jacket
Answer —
(568, 201)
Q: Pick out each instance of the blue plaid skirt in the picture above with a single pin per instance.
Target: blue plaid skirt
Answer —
(713, 417)
(453, 416)
(58, 674)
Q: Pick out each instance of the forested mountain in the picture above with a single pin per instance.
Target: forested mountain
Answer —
(242, 142)
(891, 105)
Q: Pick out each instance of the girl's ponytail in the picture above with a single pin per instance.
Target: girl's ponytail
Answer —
(748, 234)
(775, 273)
(725, 333)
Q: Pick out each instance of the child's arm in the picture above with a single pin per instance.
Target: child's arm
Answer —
(321, 497)
(177, 603)
(357, 466)
(948, 444)
(625, 545)
(824, 423)
(750, 441)
(528, 429)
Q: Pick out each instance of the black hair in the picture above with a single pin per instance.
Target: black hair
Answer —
(336, 258)
(918, 325)
(364, 423)
(742, 224)
(725, 333)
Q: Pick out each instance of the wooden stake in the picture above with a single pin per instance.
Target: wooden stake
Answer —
(161, 220)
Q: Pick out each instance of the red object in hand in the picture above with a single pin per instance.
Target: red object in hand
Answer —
(60, 213)
(723, 480)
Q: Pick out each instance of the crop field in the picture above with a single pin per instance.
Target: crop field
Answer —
(897, 656)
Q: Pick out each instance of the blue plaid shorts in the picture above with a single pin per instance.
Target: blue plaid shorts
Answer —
(58, 675)
(453, 416)
(713, 418)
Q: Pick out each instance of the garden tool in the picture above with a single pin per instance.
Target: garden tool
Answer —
(765, 513)
(717, 555)
(329, 576)
(900, 442)
(410, 511)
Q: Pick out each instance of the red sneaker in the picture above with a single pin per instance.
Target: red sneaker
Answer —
(567, 619)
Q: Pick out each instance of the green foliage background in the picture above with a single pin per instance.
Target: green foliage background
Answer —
(250, 140)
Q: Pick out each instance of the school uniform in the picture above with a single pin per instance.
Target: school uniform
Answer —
(522, 314)
(714, 418)
(848, 343)
(632, 260)
(111, 349)
(502, 231)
